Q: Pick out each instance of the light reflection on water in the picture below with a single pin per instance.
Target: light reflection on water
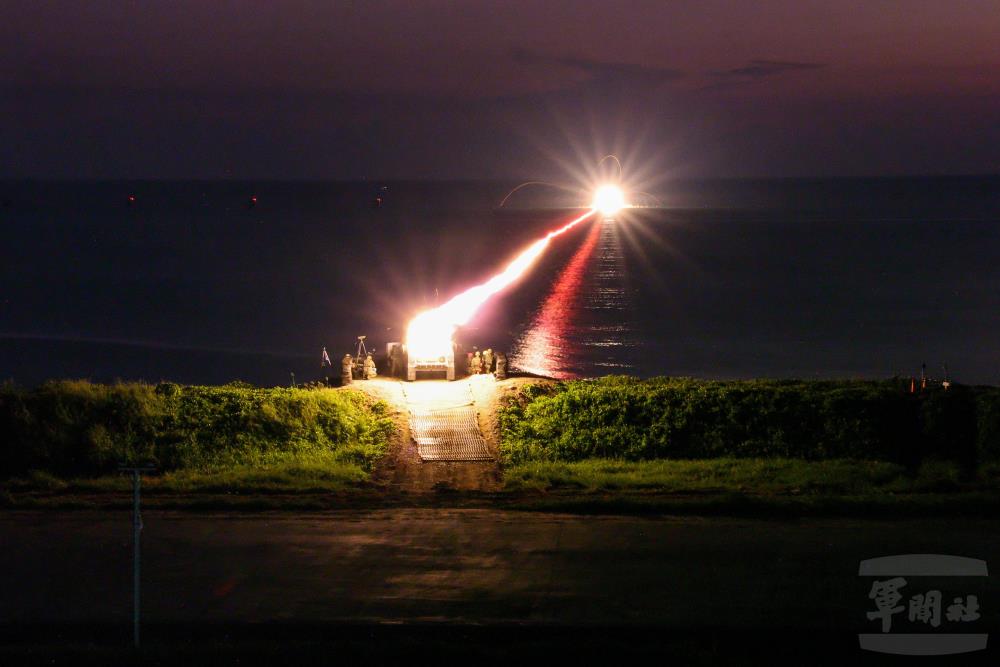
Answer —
(584, 325)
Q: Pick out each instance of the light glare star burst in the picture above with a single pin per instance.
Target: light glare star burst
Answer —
(609, 199)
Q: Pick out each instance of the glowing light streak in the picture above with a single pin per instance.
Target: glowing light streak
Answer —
(429, 334)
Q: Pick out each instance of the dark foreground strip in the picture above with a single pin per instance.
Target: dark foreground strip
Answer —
(293, 644)
(966, 505)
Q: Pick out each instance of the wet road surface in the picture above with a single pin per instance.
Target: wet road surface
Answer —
(463, 566)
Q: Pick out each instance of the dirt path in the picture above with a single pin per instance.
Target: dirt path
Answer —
(404, 471)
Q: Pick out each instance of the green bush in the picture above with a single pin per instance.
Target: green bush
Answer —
(630, 419)
(987, 407)
(717, 475)
(80, 428)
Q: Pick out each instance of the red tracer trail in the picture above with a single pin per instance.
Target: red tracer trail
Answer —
(547, 335)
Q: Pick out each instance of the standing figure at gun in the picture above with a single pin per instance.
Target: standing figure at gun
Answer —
(501, 366)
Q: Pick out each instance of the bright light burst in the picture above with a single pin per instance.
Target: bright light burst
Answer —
(429, 334)
(609, 199)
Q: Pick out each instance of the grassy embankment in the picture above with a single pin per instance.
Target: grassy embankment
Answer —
(793, 443)
(706, 446)
(69, 437)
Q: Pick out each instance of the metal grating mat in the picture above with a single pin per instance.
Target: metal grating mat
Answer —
(443, 422)
(451, 434)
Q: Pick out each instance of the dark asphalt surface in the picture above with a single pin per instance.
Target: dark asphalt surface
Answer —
(464, 566)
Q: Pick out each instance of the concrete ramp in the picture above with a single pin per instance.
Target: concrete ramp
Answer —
(443, 422)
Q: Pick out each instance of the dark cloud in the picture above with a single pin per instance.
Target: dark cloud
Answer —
(606, 75)
(603, 71)
(761, 68)
(756, 70)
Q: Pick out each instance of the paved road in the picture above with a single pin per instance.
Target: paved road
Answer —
(463, 566)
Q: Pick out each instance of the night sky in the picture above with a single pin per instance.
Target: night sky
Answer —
(283, 89)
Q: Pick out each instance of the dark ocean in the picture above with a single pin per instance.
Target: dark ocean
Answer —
(786, 278)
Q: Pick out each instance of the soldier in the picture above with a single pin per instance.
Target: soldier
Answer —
(501, 366)
(469, 360)
(477, 363)
(488, 360)
(396, 357)
(370, 372)
(346, 368)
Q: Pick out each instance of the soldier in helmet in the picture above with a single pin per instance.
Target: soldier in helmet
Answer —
(470, 360)
(370, 372)
(488, 360)
(477, 362)
(501, 366)
(346, 368)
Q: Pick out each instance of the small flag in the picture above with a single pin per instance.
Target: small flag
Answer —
(326, 359)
